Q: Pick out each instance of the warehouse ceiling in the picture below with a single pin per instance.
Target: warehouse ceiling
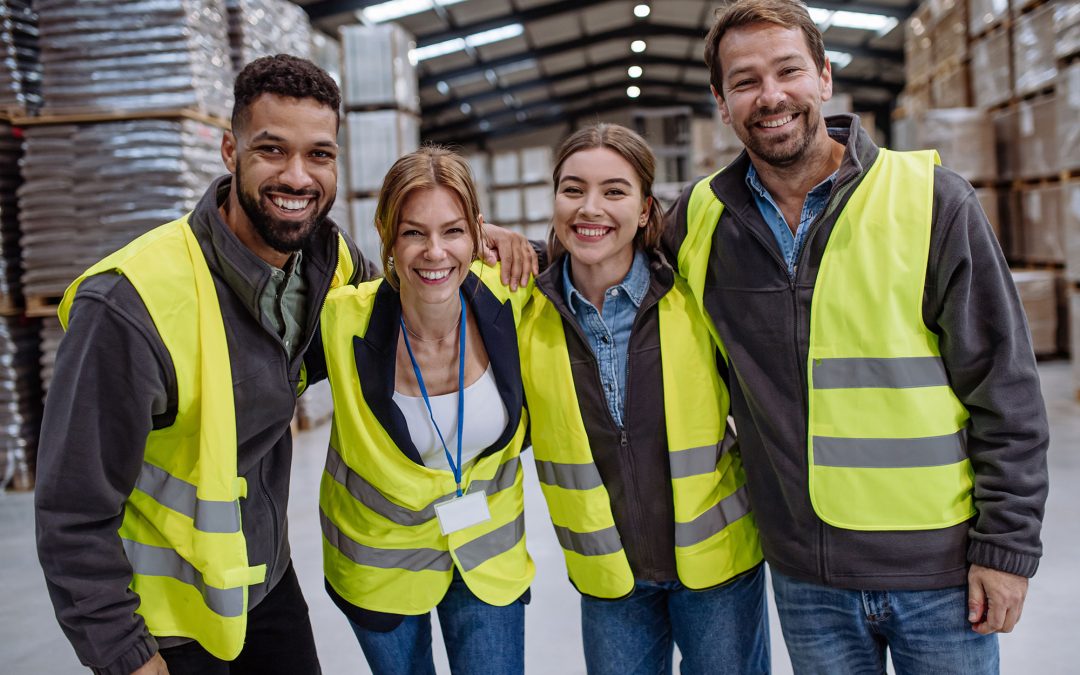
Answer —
(491, 68)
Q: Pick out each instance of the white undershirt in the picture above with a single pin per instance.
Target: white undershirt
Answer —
(485, 419)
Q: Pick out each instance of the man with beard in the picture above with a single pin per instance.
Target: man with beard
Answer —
(884, 386)
(163, 471)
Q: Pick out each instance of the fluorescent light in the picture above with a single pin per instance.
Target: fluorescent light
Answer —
(637, 46)
(634, 71)
(838, 59)
(878, 23)
(475, 40)
(465, 108)
(395, 9)
(633, 92)
(641, 11)
(443, 87)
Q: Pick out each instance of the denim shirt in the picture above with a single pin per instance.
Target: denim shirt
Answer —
(608, 332)
(790, 245)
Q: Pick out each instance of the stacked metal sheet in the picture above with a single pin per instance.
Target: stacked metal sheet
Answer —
(10, 253)
(91, 188)
(20, 69)
(267, 27)
(20, 401)
(103, 55)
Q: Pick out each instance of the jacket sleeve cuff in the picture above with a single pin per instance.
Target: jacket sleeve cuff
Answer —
(134, 658)
(995, 557)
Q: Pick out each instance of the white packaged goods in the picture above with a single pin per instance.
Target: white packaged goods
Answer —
(1066, 28)
(1038, 294)
(964, 138)
(267, 27)
(103, 55)
(1068, 117)
(983, 14)
(1041, 224)
(378, 72)
(506, 168)
(991, 69)
(536, 165)
(363, 229)
(949, 35)
(507, 206)
(538, 203)
(918, 57)
(478, 167)
(20, 67)
(1070, 221)
(536, 231)
(376, 140)
(1074, 333)
(1037, 134)
(91, 188)
(1033, 50)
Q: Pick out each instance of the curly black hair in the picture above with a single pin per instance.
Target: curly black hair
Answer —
(284, 75)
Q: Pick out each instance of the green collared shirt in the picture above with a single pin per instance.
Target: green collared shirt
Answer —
(283, 303)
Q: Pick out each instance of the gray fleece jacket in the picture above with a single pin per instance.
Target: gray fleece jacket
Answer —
(114, 382)
(763, 316)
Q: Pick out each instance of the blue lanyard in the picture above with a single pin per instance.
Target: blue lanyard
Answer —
(455, 468)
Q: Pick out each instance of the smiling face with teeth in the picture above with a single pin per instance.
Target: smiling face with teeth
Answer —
(283, 158)
(599, 208)
(772, 93)
(433, 247)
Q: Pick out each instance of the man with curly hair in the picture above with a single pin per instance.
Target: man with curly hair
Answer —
(163, 472)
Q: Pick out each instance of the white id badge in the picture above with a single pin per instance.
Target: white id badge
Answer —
(462, 512)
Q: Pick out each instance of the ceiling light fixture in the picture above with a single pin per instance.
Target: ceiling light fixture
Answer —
(633, 92)
(634, 71)
(838, 59)
(638, 46)
(395, 9)
(486, 37)
(641, 11)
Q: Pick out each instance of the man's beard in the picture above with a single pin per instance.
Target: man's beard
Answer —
(284, 236)
(793, 148)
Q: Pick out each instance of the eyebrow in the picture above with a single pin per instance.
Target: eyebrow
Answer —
(775, 62)
(274, 138)
(621, 181)
(414, 223)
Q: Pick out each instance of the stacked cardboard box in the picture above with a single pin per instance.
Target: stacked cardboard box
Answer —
(985, 14)
(1034, 67)
(522, 195)
(1038, 291)
(1068, 117)
(962, 136)
(991, 68)
(101, 55)
(1066, 29)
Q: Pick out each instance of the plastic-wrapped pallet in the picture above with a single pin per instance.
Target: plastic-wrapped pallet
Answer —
(949, 33)
(51, 334)
(505, 168)
(1037, 133)
(91, 188)
(1066, 28)
(964, 138)
(536, 165)
(20, 68)
(20, 401)
(1074, 332)
(1070, 221)
(1041, 224)
(507, 205)
(376, 140)
(1068, 117)
(1033, 50)
(990, 201)
(918, 57)
(991, 68)
(103, 55)
(363, 228)
(10, 253)
(378, 71)
(267, 27)
(1038, 294)
(985, 14)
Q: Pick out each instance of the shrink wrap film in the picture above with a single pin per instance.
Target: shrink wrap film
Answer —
(1034, 66)
(20, 65)
(378, 71)
(1066, 28)
(1041, 224)
(1037, 137)
(1070, 220)
(1068, 118)
(1038, 291)
(962, 136)
(918, 47)
(267, 27)
(985, 14)
(991, 68)
(375, 141)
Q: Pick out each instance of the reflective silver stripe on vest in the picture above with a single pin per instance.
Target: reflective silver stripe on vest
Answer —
(485, 547)
(890, 453)
(731, 508)
(899, 373)
(699, 461)
(411, 559)
(368, 495)
(181, 496)
(601, 542)
(155, 561)
(568, 476)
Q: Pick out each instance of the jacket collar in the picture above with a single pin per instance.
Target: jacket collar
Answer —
(244, 272)
(376, 360)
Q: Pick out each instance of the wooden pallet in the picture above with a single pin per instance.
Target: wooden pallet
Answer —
(42, 305)
(90, 116)
(10, 305)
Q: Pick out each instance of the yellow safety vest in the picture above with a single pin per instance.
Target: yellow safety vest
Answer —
(715, 534)
(181, 530)
(382, 546)
(886, 436)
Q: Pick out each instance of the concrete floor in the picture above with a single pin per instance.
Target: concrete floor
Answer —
(31, 641)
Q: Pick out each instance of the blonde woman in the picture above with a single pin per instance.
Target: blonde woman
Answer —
(421, 501)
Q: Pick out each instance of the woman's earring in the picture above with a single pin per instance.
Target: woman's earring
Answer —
(390, 262)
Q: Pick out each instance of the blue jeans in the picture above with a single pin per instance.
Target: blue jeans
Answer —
(833, 631)
(481, 639)
(720, 630)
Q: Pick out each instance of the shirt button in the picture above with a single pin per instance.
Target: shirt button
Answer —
(606, 339)
(614, 292)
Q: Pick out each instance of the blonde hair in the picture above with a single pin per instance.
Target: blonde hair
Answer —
(631, 147)
(429, 167)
